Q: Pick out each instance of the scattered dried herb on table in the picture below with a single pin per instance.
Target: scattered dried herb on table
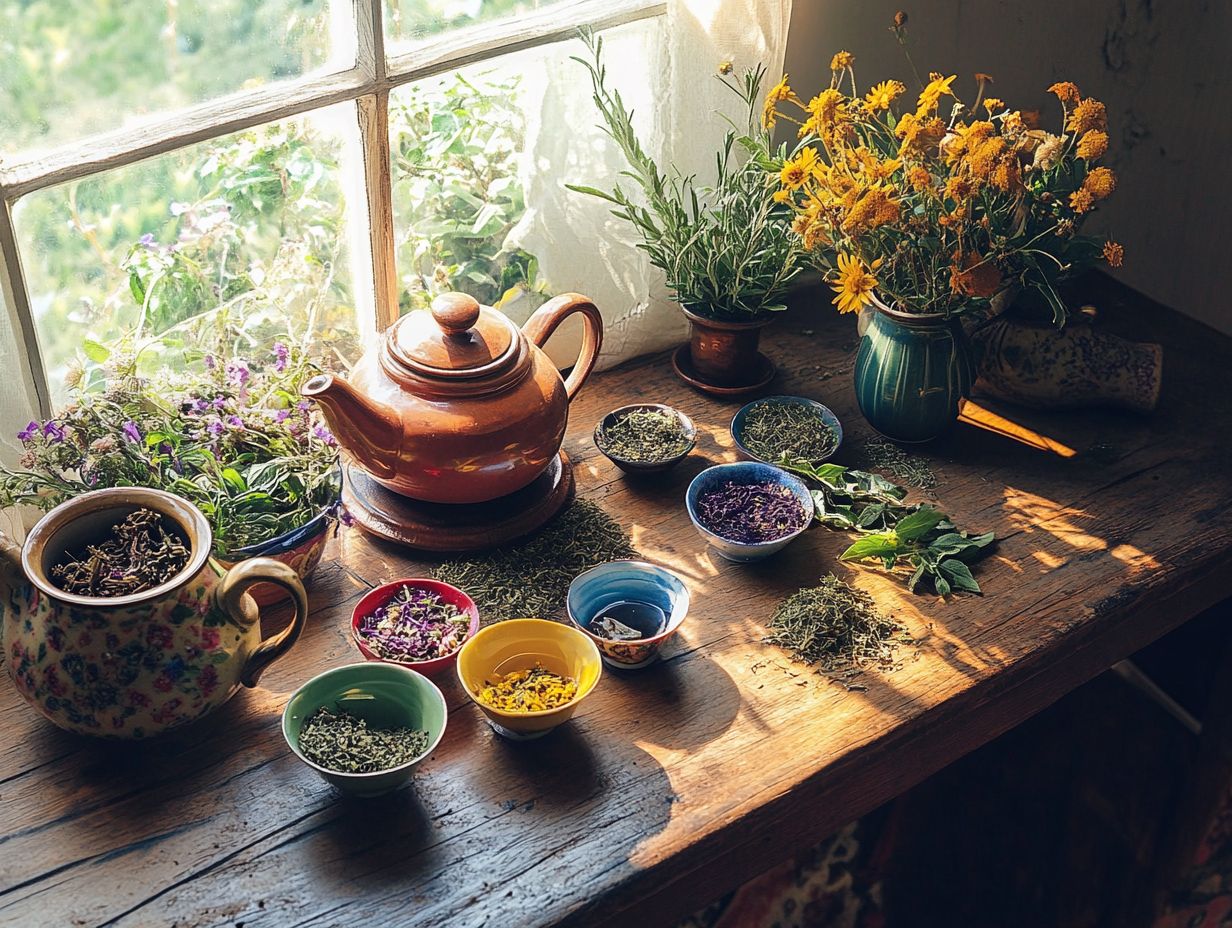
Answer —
(531, 690)
(838, 629)
(919, 537)
(341, 742)
(911, 469)
(416, 625)
(140, 555)
(530, 578)
(751, 513)
(787, 431)
(645, 436)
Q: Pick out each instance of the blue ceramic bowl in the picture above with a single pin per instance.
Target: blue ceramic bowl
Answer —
(823, 413)
(599, 588)
(746, 472)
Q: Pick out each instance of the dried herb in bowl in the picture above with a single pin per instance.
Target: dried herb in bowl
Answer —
(531, 690)
(143, 552)
(644, 436)
(341, 742)
(416, 625)
(787, 431)
(751, 513)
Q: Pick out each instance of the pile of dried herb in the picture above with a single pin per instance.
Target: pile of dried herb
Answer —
(645, 436)
(339, 741)
(919, 538)
(911, 469)
(530, 578)
(836, 628)
(143, 552)
(787, 431)
(751, 513)
(415, 625)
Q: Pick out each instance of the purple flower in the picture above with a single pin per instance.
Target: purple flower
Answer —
(147, 240)
(131, 431)
(210, 362)
(235, 422)
(281, 355)
(31, 429)
(53, 431)
(282, 415)
(200, 405)
(237, 372)
(302, 406)
(219, 402)
(324, 434)
(215, 427)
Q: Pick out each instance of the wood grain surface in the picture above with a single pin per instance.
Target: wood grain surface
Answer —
(675, 783)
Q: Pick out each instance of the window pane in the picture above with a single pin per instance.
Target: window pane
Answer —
(410, 21)
(75, 67)
(457, 144)
(248, 229)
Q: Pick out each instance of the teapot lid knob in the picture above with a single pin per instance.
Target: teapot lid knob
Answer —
(455, 313)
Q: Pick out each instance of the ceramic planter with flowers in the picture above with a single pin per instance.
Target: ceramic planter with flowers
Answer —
(230, 434)
(725, 248)
(927, 213)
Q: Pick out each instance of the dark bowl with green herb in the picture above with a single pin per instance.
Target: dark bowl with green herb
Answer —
(775, 429)
(645, 438)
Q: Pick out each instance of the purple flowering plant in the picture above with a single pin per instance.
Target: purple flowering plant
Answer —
(227, 432)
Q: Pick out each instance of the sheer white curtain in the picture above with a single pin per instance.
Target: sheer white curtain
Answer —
(666, 69)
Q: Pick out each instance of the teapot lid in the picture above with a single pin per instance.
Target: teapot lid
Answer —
(457, 338)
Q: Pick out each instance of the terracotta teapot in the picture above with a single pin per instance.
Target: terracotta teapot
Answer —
(137, 665)
(456, 404)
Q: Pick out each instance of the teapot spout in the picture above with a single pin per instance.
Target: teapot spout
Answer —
(361, 425)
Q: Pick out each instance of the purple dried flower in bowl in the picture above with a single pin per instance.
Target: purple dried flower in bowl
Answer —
(748, 510)
(419, 623)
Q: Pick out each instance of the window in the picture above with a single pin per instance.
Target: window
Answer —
(335, 160)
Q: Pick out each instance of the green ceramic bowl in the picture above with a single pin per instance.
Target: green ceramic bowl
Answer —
(383, 695)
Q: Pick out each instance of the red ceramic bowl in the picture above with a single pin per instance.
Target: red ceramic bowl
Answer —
(384, 593)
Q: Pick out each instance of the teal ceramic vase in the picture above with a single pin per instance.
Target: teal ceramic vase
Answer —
(912, 373)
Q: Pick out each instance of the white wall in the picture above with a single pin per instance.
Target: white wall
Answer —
(1163, 67)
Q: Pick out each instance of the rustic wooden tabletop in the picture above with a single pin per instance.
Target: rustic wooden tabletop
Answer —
(675, 783)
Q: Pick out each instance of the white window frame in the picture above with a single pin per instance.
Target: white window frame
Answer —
(367, 84)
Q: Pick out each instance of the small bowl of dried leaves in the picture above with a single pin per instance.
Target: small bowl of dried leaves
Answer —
(364, 727)
(645, 438)
(778, 429)
(418, 623)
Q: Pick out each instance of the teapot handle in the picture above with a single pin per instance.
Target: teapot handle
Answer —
(551, 314)
(229, 596)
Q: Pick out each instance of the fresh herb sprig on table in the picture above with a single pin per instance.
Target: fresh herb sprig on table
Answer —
(896, 534)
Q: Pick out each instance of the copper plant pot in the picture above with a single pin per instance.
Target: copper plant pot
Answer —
(724, 354)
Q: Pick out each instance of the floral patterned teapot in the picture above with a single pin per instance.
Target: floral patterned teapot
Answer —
(134, 666)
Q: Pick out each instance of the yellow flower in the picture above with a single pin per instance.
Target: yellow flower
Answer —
(1089, 114)
(920, 137)
(1081, 200)
(1007, 176)
(1114, 254)
(984, 157)
(876, 207)
(880, 96)
(827, 108)
(842, 60)
(779, 93)
(799, 169)
(1100, 183)
(853, 284)
(931, 95)
(1065, 91)
(959, 188)
(1012, 125)
(919, 178)
(1093, 145)
(725, 67)
(993, 104)
(782, 196)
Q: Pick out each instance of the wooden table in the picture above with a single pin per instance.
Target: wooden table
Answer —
(676, 783)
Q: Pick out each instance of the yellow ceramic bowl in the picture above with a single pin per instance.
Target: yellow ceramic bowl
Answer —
(518, 644)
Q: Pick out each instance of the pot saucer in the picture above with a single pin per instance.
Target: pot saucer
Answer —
(454, 528)
(762, 374)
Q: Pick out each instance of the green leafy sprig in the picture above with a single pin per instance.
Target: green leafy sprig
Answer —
(918, 537)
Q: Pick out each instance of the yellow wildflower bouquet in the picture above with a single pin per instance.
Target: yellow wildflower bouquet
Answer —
(939, 207)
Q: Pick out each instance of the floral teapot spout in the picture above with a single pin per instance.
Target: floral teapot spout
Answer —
(458, 405)
(136, 665)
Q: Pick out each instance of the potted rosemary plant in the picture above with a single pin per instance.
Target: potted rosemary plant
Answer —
(227, 433)
(925, 216)
(726, 249)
